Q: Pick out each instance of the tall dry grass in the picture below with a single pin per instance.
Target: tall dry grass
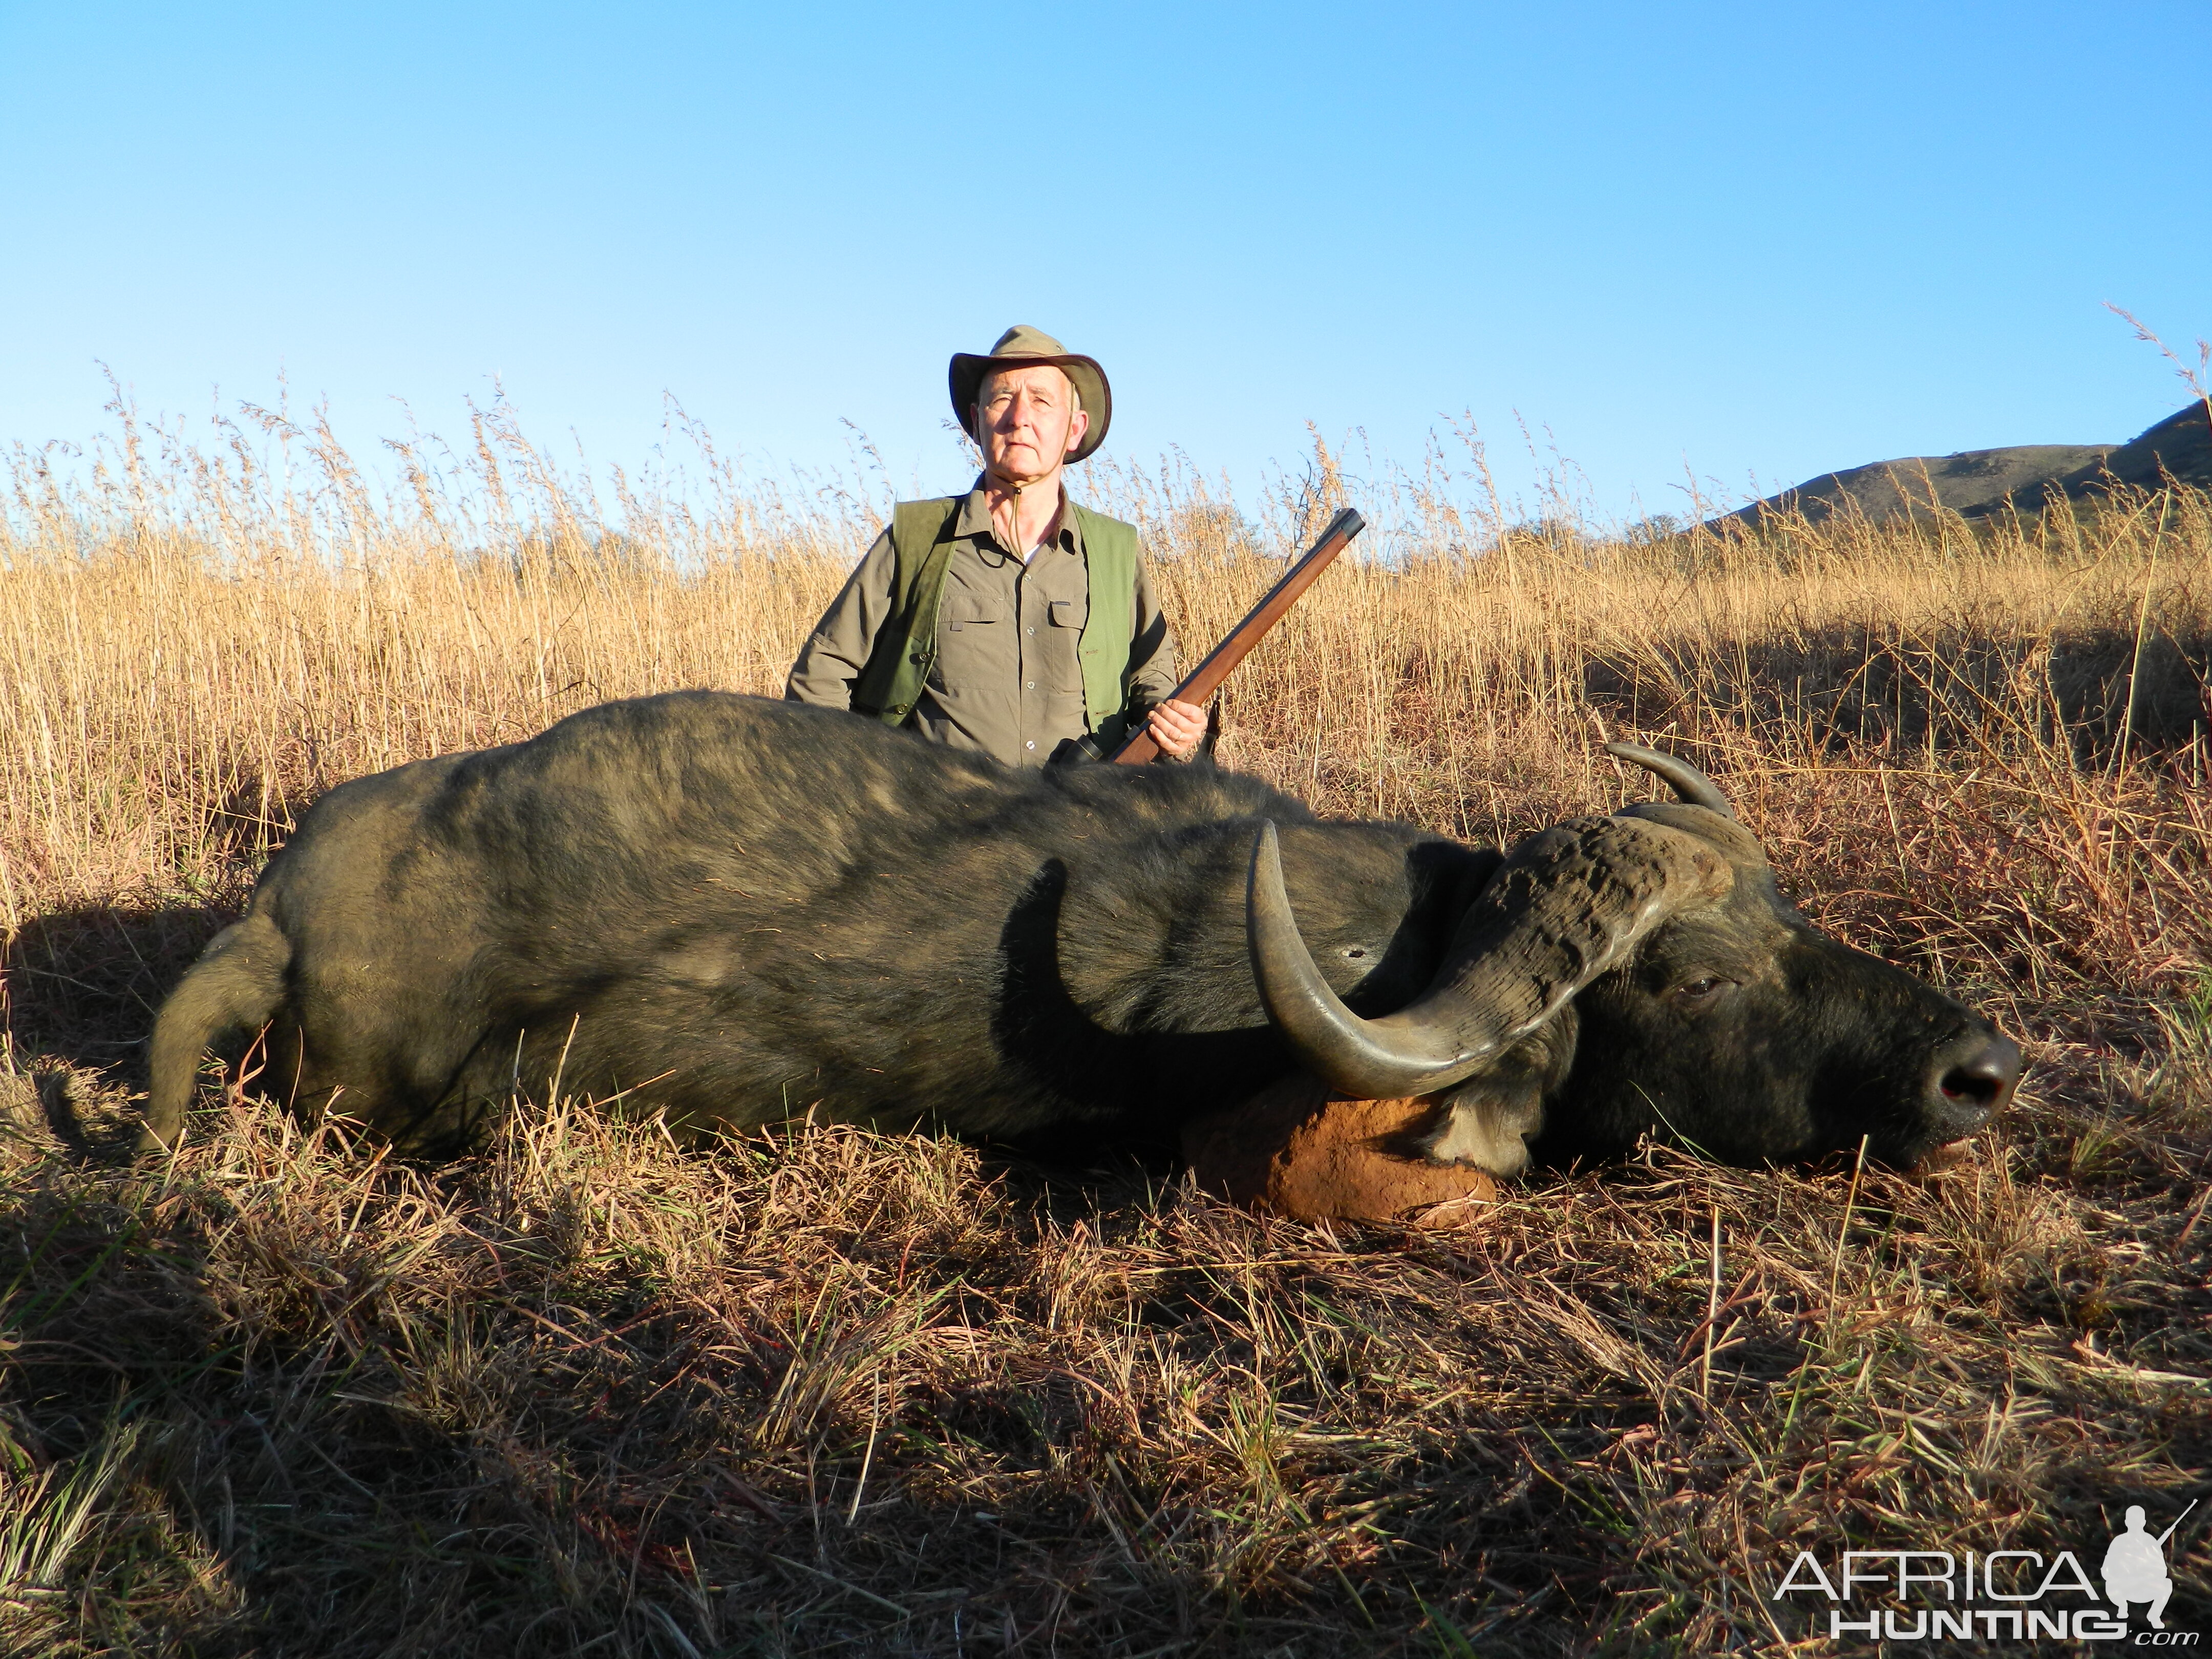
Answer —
(896, 1396)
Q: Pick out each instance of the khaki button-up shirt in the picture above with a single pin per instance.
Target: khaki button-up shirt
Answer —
(1007, 680)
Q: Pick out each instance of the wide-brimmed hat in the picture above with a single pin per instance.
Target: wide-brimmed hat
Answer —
(1023, 347)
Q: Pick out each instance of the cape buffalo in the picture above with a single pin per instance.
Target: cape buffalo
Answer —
(735, 911)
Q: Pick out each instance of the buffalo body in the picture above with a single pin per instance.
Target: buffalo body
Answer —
(734, 911)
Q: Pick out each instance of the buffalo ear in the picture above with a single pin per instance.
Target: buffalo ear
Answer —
(1489, 1120)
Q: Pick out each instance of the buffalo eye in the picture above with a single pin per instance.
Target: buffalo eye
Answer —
(1356, 951)
(1704, 988)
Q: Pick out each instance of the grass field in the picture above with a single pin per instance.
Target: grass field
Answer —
(836, 1392)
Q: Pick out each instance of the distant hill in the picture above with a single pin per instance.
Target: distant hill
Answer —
(1977, 483)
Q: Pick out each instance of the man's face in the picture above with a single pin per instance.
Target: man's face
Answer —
(1027, 420)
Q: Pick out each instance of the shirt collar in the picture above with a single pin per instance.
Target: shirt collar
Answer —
(975, 520)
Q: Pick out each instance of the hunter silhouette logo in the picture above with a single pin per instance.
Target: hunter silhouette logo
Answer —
(2005, 1595)
(2135, 1566)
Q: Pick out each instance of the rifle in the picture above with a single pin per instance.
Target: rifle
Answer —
(1203, 681)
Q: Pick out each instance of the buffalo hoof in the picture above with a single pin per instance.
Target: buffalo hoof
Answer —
(1295, 1150)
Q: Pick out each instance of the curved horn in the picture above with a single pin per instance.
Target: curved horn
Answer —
(1566, 905)
(1370, 1059)
(1689, 784)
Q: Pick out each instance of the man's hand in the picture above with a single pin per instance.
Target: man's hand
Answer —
(1177, 727)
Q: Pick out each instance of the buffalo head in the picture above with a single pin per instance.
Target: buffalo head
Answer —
(1642, 973)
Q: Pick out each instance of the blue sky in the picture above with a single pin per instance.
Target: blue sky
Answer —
(1754, 241)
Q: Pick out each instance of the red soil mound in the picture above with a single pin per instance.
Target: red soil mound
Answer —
(1298, 1150)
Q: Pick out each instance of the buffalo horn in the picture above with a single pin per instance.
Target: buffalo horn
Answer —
(1566, 905)
(1370, 1059)
(1690, 784)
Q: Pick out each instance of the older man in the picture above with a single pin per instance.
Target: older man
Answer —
(1009, 620)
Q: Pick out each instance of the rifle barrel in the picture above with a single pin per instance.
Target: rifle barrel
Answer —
(2177, 1520)
(1203, 681)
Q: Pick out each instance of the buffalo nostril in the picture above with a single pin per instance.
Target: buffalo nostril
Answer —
(1973, 1085)
(1976, 1082)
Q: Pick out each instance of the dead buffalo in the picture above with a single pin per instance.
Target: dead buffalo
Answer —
(735, 911)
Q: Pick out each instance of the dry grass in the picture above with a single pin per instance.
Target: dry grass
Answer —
(871, 1394)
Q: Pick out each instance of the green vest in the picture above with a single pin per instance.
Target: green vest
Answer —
(906, 645)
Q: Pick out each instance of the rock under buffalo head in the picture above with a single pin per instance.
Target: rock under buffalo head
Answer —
(1642, 973)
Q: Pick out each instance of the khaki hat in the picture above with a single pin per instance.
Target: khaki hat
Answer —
(1023, 347)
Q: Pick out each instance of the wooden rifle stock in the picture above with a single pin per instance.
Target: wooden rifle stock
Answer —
(1203, 681)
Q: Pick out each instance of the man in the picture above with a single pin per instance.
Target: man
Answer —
(2134, 1569)
(1009, 620)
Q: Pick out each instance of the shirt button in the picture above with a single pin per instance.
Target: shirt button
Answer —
(1031, 686)
(1031, 744)
(1033, 630)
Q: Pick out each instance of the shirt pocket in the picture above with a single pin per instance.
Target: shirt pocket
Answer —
(1059, 654)
(965, 609)
(972, 639)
